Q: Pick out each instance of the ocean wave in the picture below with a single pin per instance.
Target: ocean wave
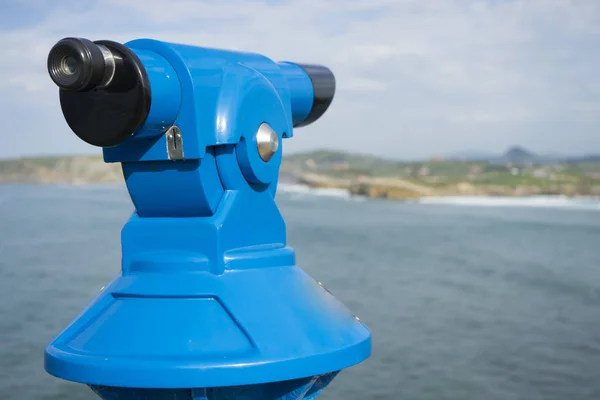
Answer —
(533, 201)
(299, 190)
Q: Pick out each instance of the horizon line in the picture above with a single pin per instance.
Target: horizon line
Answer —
(462, 155)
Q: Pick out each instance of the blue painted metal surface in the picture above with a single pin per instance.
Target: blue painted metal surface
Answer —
(301, 90)
(210, 303)
(166, 95)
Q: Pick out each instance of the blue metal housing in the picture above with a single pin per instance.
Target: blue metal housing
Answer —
(210, 303)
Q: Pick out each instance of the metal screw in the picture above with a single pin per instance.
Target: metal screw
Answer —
(267, 142)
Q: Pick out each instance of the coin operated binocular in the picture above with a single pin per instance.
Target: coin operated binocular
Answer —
(210, 304)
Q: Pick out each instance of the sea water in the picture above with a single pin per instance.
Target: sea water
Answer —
(477, 298)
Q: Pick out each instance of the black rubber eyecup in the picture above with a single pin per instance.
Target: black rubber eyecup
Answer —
(107, 116)
(76, 64)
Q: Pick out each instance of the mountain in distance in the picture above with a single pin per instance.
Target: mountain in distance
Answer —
(519, 155)
(514, 154)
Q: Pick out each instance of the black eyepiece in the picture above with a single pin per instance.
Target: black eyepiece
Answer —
(104, 89)
(323, 82)
(76, 64)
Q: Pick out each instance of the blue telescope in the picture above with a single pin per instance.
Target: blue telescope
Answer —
(210, 304)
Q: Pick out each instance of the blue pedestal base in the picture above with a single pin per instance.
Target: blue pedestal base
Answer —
(296, 389)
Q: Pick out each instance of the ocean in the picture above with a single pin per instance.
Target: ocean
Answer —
(466, 298)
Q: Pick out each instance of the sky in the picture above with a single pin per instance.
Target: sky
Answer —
(415, 78)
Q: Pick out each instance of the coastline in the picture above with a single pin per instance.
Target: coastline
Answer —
(401, 189)
(557, 202)
(356, 175)
(299, 191)
(361, 187)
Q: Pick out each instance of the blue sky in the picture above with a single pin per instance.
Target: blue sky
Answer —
(416, 78)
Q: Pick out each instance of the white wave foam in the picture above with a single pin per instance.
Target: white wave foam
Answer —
(304, 190)
(533, 201)
(292, 188)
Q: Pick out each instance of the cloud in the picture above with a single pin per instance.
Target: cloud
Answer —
(415, 77)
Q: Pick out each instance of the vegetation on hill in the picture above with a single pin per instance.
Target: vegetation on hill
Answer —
(517, 173)
(67, 169)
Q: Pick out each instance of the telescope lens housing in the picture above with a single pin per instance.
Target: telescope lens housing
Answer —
(78, 64)
(323, 83)
(312, 88)
(69, 65)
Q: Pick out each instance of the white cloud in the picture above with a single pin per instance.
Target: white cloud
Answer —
(425, 76)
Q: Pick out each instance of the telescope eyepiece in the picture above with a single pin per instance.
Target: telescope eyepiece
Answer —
(79, 64)
(104, 89)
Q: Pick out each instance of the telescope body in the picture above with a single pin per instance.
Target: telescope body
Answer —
(210, 303)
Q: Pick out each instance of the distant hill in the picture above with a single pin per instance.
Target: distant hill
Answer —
(517, 172)
(66, 169)
(519, 155)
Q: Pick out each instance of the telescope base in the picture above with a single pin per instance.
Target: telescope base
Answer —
(296, 389)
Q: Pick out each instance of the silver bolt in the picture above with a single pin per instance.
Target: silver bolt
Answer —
(267, 142)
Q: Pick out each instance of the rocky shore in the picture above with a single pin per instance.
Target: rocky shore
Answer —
(399, 189)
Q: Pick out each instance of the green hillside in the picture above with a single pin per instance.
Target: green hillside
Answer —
(361, 174)
(450, 176)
